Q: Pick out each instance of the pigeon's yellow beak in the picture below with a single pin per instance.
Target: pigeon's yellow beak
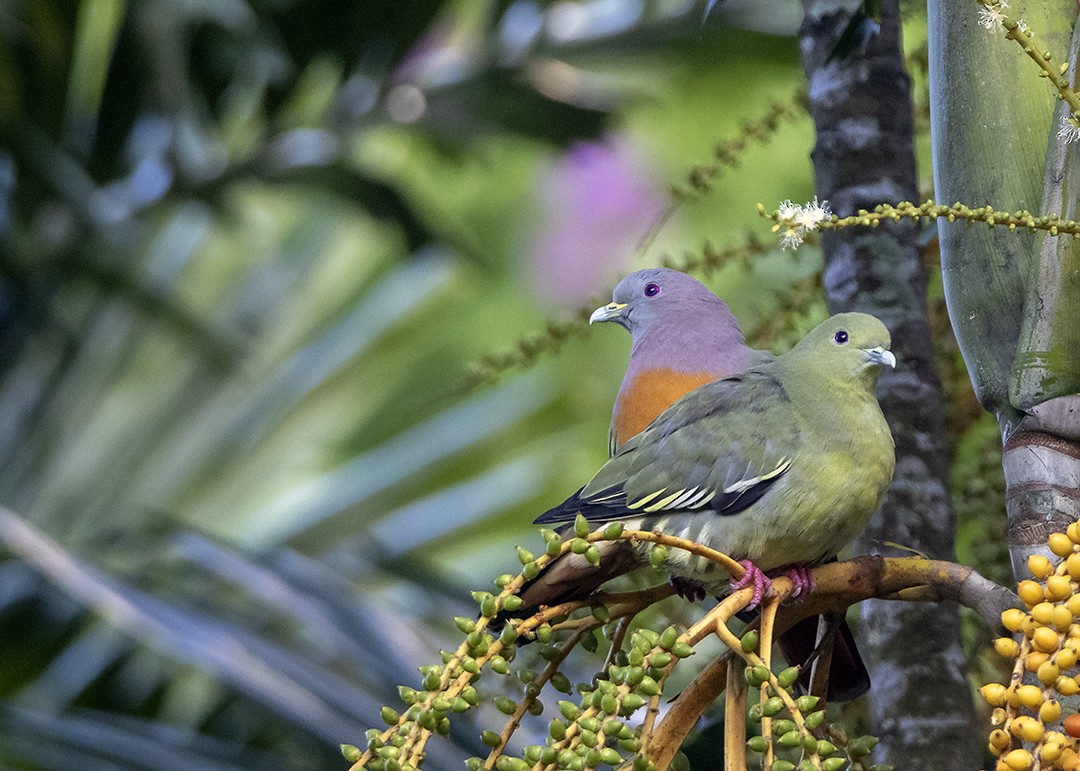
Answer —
(607, 312)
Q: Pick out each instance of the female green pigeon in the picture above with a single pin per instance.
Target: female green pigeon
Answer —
(778, 467)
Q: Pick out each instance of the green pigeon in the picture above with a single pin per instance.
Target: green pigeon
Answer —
(778, 467)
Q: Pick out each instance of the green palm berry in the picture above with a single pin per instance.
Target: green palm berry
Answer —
(788, 677)
(782, 726)
(659, 660)
(790, 739)
(648, 687)
(682, 650)
(773, 706)
(610, 757)
(557, 729)
(569, 710)
(592, 554)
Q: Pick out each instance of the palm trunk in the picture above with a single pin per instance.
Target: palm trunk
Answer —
(1012, 297)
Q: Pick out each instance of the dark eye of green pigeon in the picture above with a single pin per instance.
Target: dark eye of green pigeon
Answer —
(652, 290)
(841, 336)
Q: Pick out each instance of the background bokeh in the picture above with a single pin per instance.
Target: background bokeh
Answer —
(251, 252)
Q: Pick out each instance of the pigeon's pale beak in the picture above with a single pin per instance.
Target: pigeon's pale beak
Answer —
(607, 312)
(881, 356)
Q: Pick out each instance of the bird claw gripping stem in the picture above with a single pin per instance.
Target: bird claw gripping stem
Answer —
(753, 577)
(801, 576)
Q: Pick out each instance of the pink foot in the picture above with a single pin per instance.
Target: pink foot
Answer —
(687, 588)
(801, 576)
(753, 576)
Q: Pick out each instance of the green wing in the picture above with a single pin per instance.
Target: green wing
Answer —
(719, 448)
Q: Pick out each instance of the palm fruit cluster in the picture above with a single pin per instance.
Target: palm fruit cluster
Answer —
(589, 732)
(611, 721)
(794, 727)
(594, 729)
(1029, 729)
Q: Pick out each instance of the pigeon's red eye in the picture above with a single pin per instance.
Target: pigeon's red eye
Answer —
(840, 337)
(652, 290)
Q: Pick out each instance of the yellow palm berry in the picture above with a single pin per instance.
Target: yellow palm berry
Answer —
(1013, 618)
(1019, 760)
(993, 694)
(1050, 711)
(1028, 626)
(1062, 618)
(1066, 657)
(1045, 639)
(1048, 673)
(1069, 759)
(1016, 727)
(1043, 612)
(1073, 604)
(1034, 660)
(1058, 587)
(1060, 544)
(1032, 731)
(1057, 737)
(1031, 696)
(1030, 592)
(999, 740)
(1007, 647)
(1050, 752)
(1000, 766)
(1066, 686)
(1039, 566)
(1072, 564)
(1073, 532)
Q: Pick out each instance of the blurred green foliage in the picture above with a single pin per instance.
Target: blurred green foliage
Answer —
(247, 251)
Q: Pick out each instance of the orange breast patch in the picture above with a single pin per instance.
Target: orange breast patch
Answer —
(652, 392)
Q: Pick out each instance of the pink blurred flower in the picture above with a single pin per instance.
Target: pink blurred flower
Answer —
(598, 203)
